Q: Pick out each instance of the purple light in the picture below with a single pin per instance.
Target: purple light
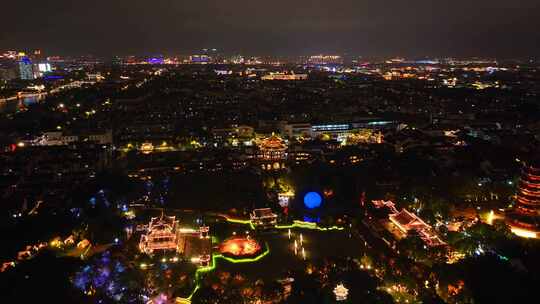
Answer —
(156, 60)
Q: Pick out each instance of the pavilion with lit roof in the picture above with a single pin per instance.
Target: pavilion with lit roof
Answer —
(272, 153)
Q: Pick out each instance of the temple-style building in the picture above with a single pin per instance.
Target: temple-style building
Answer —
(263, 218)
(524, 218)
(272, 153)
(162, 234)
(407, 221)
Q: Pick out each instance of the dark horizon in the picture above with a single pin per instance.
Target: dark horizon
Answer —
(419, 28)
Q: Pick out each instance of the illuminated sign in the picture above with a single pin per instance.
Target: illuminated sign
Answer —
(44, 67)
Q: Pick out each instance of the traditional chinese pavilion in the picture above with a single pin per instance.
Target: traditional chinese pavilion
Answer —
(162, 234)
(263, 218)
(272, 153)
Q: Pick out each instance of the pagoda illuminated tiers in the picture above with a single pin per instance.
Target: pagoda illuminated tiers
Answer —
(272, 153)
(524, 219)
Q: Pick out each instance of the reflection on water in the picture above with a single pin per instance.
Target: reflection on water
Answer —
(16, 105)
(30, 100)
(311, 219)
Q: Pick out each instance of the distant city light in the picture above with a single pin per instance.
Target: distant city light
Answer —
(524, 233)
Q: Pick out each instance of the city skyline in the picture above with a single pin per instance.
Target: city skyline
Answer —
(369, 28)
(270, 152)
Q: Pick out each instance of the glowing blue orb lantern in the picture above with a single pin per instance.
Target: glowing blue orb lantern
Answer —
(312, 200)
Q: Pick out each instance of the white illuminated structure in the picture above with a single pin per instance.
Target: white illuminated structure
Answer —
(285, 197)
(162, 234)
(341, 292)
(263, 218)
(325, 59)
(147, 148)
(283, 76)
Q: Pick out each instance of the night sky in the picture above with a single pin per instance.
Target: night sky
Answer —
(509, 28)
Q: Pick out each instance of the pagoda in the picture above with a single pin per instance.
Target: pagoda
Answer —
(524, 218)
(272, 153)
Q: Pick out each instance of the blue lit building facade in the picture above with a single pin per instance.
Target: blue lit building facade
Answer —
(26, 69)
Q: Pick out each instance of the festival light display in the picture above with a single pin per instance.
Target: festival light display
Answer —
(312, 200)
(295, 224)
(239, 247)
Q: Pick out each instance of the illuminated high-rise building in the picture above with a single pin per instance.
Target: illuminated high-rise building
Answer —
(44, 67)
(8, 73)
(38, 55)
(325, 59)
(524, 219)
(26, 69)
(199, 59)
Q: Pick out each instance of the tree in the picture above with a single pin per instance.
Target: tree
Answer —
(305, 289)
(414, 246)
(43, 278)
(271, 290)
